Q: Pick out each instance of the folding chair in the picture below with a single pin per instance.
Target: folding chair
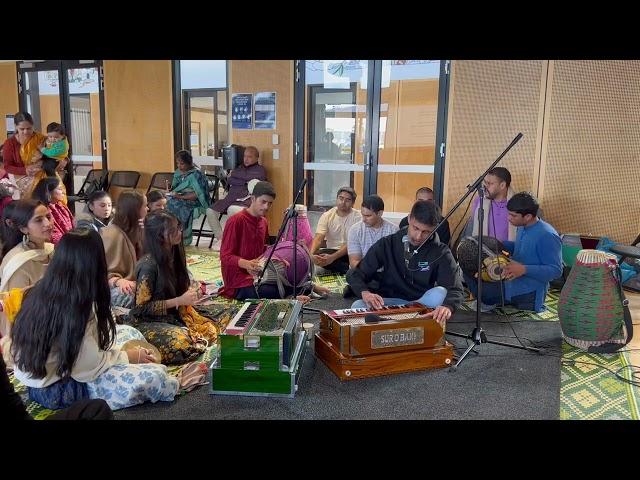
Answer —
(124, 179)
(161, 181)
(97, 179)
(213, 181)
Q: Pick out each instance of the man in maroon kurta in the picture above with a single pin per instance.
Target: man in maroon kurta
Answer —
(243, 241)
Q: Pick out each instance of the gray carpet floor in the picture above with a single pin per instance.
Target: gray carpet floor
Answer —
(497, 383)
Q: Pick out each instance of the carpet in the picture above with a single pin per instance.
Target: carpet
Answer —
(588, 390)
(497, 383)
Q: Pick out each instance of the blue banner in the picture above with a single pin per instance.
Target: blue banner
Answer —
(242, 111)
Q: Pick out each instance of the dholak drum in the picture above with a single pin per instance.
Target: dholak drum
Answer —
(493, 257)
(591, 310)
(280, 271)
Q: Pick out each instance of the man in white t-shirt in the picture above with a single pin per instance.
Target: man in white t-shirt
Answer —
(372, 228)
(333, 227)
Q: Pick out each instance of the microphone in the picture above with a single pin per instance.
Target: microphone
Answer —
(407, 250)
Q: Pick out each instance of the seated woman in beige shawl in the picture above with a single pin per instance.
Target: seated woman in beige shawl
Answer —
(123, 246)
(26, 232)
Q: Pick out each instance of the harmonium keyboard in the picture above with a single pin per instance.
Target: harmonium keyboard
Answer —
(363, 342)
(260, 351)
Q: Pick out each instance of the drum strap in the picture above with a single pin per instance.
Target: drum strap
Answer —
(628, 323)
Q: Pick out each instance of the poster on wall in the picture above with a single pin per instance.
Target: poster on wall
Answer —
(241, 111)
(265, 110)
(11, 127)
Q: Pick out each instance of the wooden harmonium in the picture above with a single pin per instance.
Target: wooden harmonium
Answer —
(357, 343)
(261, 350)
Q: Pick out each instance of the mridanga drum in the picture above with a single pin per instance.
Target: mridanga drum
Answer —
(593, 311)
(494, 258)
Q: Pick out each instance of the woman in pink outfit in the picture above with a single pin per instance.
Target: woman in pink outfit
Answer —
(49, 191)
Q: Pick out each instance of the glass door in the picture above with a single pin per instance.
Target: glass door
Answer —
(407, 131)
(376, 125)
(205, 123)
(42, 97)
(70, 92)
(83, 118)
(335, 129)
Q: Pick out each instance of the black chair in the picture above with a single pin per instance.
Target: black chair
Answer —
(161, 181)
(124, 179)
(97, 179)
(213, 181)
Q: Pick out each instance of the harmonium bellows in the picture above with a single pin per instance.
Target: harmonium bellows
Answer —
(261, 350)
(357, 343)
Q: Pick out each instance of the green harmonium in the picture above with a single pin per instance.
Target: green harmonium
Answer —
(261, 351)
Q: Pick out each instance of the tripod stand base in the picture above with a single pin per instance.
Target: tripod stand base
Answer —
(479, 336)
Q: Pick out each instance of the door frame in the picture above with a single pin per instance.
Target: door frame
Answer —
(61, 66)
(187, 95)
(372, 133)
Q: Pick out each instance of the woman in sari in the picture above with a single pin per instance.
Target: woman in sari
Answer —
(22, 156)
(188, 198)
(26, 235)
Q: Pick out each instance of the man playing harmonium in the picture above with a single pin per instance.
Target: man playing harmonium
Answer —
(413, 266)
(536, 260)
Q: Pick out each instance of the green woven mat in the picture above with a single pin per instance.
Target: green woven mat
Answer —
(590, 392)
(204, 265)
(333, 281)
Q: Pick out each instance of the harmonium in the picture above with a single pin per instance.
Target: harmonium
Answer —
(261, 350)
(362, 342)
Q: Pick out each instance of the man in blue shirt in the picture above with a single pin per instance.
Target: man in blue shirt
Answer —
(536, 259)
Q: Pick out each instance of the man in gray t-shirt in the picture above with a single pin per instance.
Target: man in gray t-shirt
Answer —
(372, 228)
(364, 234)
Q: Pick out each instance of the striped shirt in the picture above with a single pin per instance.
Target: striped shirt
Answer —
(362, 237)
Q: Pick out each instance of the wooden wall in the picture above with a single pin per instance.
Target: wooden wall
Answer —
(590, 178)
(139, 116)
(8, 93)
(269, 76)
(490, 102)
(581, 144)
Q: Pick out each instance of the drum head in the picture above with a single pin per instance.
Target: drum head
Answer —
(468, 252)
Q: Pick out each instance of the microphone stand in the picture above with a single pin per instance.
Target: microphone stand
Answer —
(291, 213)
(478, 335)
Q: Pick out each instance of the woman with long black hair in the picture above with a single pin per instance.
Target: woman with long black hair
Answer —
(123, 246)
(164, 296)
(63, 338)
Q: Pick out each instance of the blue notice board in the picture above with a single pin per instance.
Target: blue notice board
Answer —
(242, 111)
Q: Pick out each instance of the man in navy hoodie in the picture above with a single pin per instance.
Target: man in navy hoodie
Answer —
(536, 259)
(415, 269)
